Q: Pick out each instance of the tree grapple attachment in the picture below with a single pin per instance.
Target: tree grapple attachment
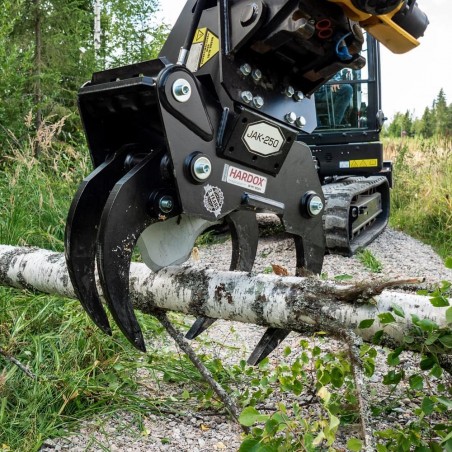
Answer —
(203, 137)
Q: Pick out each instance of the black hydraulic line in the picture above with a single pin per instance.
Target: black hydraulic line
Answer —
(185, 49)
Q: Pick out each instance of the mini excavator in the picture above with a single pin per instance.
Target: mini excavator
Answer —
(224, 125)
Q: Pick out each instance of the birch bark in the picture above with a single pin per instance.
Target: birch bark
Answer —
(269, 300)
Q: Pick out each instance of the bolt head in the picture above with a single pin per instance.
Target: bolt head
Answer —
(246, 96)
(181, 90)
(291, 117)
(315, 205)
(245, 69)
(249, 14)
(166, 204)
(258, 102)
(298, 96)
(257, 75)
(289, 91)
(202, 168)
(300, 122)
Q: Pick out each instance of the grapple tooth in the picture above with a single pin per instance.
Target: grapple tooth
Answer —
(126, 214)
(81, 234)
(269, 341)
(199, 326)
(245, 236)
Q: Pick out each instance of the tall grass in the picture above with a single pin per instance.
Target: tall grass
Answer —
(77, 369)
(422, 194)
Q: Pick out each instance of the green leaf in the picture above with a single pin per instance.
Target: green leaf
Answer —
(435, 447)
(392, 378)
(437, 371)
(271, 427)
(439, 302)
(393, 360)
(427, 363)
(446, 402)
(354, 444)
(250, 415)
(366, 323)
(431, 338)
(449, 315)
(447, 438)
(398, 310)
(428, 405)
(448, 262)
(386, 318)
(185, 395)
(416, 382)
(377, 337)
(297, 388)
(343, 277)
(446, 340)
(250, 445)
(337, 377)
(427, 325)
(264, 363)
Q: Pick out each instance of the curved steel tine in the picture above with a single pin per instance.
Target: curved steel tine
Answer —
(81, 234)
(126, 214)
(245, 236)
(268, 342)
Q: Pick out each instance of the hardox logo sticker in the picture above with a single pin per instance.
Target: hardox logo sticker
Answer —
(244, 178)
(213, 199)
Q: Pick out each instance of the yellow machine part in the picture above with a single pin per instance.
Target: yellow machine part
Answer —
(382, 27)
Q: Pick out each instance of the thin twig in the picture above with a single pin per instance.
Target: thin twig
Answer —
(15, 361)
(188, 350)
(364, 291)
(354, 342)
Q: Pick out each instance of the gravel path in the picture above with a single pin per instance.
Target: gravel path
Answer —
(400, 256)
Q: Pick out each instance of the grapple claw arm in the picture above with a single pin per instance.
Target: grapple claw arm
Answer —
(81, 233)
(130, 208)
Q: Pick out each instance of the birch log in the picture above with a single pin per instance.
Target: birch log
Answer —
(287, 302)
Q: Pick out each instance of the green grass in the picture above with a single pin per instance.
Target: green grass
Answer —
(79, 371)
(369, 261)
(422, 194)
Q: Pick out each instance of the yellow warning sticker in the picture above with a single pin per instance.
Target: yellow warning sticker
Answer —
(211, 48)
(204, 47)
(367, 163)
(199, 35)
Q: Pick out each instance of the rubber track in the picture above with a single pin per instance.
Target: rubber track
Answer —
(336, 218)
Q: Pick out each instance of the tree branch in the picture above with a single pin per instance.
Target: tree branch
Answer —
(15, 361)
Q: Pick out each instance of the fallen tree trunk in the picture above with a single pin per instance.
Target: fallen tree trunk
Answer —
(299, 304)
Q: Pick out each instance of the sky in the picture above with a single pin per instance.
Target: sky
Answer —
(410, 81)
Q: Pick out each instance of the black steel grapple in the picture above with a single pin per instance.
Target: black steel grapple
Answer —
(208, 135)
